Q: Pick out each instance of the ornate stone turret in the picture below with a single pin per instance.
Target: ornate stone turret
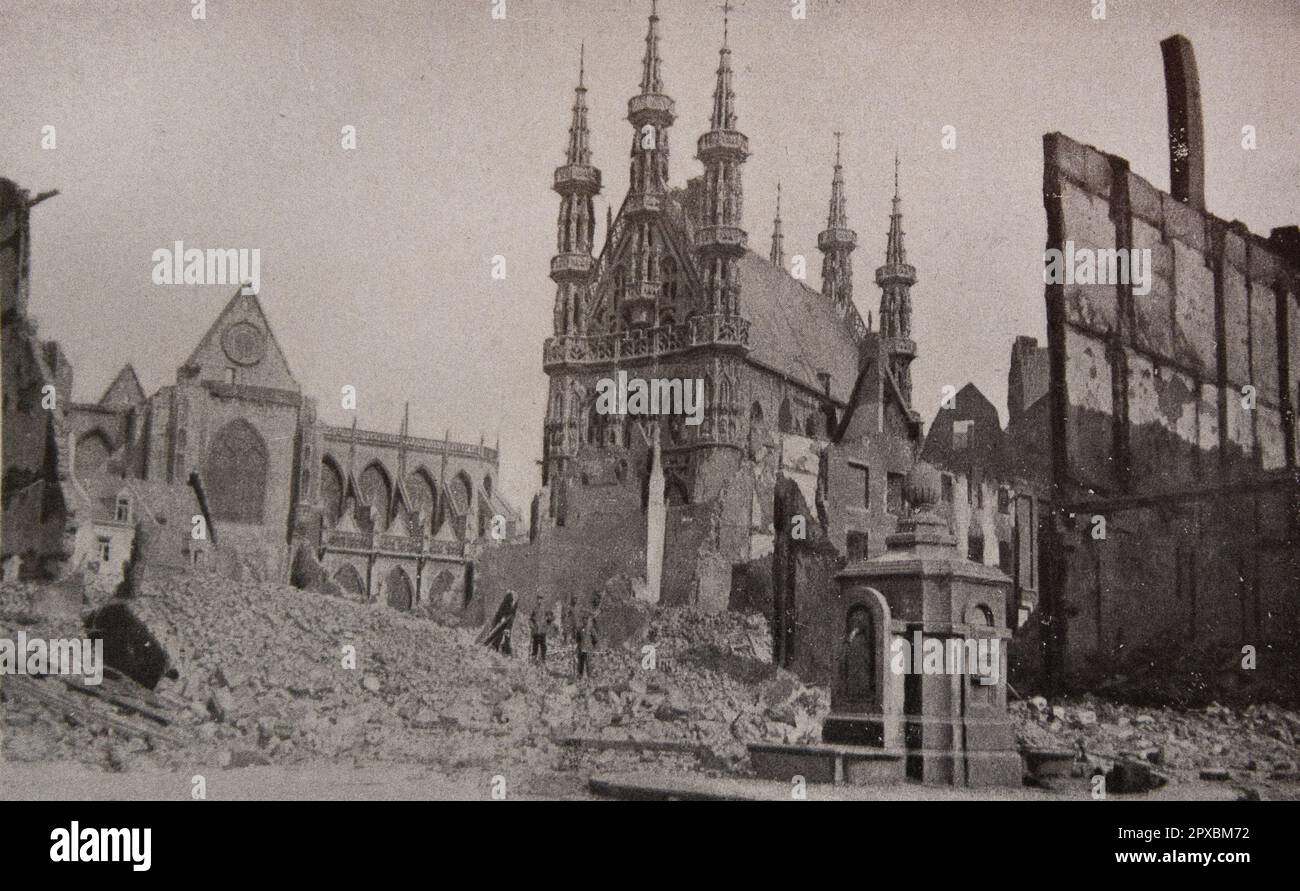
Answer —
(896, 278)
(836, 242)
(719, 238)
(651, 114)
(577, 182)
(777, 255)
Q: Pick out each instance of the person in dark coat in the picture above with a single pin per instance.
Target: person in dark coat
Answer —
(572, 620)
(539, 622)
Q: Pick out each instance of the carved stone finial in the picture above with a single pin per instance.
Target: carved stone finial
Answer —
(922, 488)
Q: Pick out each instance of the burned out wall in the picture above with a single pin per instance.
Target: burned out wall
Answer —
(1190, 383)
(37, 384)
(1172, 418)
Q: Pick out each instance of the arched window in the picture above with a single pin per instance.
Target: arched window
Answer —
(378, 494)
(757, 435)
(440, 588)
(348, 579)
(466, 487)
(236, 473)
(462, 496)
(331, 490)
(668, 272)
(424, 498)
(397, 589)
(620, 282)
(725, 396)
(487, 484)
(93, 450)
(857, 666)
(785, 420)
(122, 509)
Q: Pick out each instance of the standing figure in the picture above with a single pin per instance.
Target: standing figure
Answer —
(586, 644)
(539, 621)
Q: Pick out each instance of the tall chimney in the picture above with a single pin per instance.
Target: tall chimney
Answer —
(1186, 130)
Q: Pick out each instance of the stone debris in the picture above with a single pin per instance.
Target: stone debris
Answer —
(1211, 743)
(260, 675)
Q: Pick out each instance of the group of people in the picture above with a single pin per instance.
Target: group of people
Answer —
(575, 625)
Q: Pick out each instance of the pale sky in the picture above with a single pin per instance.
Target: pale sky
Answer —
(376, 262)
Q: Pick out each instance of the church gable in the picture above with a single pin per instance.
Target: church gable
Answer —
(125, 390)
(240, 348)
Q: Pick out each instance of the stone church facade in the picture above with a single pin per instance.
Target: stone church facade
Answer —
(228, 469)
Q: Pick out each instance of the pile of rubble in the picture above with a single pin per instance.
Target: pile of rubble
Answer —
(266, 673)
(1254, 746)
(269, 674)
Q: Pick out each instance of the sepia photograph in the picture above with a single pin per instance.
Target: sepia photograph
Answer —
(881, 401)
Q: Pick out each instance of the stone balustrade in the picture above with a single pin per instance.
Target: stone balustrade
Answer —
(421, 546)
(661, 340)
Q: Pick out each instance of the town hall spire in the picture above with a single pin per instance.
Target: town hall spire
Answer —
(577, 181)
(651, 76)
(720, 239)
(836, 242)
(895, 279)
(651, 114)
(777, 255)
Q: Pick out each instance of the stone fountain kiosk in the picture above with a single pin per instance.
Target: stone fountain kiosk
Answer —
(938, 715)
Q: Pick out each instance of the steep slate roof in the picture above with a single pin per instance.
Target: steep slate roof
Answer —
(794, 328)
(124, 390)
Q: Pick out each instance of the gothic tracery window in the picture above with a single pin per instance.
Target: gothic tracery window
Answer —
(331, 491)
(378, 494)
(348, 579)
(419, 486)
(668, 272)
(785, 419)
(93, 450)
(236, 473)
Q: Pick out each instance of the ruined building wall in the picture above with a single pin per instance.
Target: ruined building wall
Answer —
(1173, 417)
(35, 483)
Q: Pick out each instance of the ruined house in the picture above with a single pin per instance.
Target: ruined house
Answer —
(1172, 414)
